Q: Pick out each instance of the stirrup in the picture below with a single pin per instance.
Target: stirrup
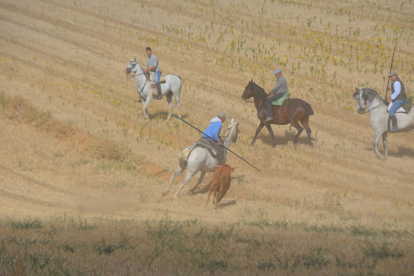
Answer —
(268, 119)
(394, 130)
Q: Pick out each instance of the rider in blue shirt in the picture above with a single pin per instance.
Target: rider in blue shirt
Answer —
(213, 131)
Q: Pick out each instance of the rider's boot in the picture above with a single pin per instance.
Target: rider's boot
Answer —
(268, 119)
(159, 91)
(394, 124)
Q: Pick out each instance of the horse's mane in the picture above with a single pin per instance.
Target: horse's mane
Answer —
(369, 95)
(259, 89)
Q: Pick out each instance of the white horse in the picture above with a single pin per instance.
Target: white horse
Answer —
(172, 84)
(201, 160)
(377, 108)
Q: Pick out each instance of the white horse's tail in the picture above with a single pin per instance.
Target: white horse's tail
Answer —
(183, 156)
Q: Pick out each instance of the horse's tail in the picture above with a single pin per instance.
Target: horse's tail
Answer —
(308, 109)
(182, 162)
(183, 157)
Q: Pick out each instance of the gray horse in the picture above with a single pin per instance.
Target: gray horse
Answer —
(377, 108)
(172, 84)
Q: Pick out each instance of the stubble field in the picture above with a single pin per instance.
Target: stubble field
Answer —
(82, 172)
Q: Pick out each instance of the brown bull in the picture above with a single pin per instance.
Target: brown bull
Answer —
(220, 183)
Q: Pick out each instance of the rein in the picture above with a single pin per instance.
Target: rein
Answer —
(381, 104)
(129, 76)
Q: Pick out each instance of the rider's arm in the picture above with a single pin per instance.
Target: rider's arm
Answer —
(216, 130)
(277, 87)
(397, 90)
(151, 68)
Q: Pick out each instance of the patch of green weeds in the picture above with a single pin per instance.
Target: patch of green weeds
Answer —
(104, 247)
(25, 224)
(4, 99)
(381, 251)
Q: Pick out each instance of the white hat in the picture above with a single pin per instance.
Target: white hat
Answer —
(222, 115)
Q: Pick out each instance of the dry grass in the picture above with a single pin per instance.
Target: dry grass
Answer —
(71, 245)
(74, 141)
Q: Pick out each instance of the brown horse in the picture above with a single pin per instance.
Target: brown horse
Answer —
(291, 112)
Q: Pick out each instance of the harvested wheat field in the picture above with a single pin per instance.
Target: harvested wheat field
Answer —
(82, 172)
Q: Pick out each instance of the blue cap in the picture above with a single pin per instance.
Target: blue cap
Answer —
(277, 71)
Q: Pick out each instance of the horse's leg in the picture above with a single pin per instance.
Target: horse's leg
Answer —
(174, 176)
(198, 182)
(177, 100)
(257, 132)
(186, 179)
(305, 124)
(384, 143)
(145, 106)
(376, 141)
(269, 128)
(300, 129)
(170, 105)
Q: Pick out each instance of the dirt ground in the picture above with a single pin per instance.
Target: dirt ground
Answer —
(74, 141)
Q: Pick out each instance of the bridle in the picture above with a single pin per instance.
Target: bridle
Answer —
(248, 100)
(228, 130)
(360, 98)
(381, 104)
(129, 75)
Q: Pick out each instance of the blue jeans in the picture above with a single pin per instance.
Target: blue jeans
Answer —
(157, 76)
(396, 104)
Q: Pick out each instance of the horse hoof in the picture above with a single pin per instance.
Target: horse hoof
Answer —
(165, 193)
(190, 192)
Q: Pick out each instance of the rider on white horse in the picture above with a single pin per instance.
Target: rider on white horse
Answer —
(398, 97)
(152, 66)
(213, 131)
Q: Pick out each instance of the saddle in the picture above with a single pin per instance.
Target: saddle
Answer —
(405, 108)
(187, 151)
(282, 100)
(150, 77)
(209, 148)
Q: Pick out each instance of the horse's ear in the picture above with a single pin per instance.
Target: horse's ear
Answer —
(132, 60)
(232, 121)
(356, 89)
(135, 59)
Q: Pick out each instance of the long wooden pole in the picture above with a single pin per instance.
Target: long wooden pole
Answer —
(212, 138)
(392, 61)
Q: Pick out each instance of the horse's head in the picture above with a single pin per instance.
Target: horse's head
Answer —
(232, 132)
(247, 94)
(361, 99)
(132, 67)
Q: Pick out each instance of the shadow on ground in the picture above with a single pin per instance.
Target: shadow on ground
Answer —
(202, 190)
(402, 151)
(163, 114)
(265, 137)
(228, 203)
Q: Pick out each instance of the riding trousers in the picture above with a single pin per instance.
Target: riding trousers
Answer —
(395, 105)
(157, 76)
(275, 97)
